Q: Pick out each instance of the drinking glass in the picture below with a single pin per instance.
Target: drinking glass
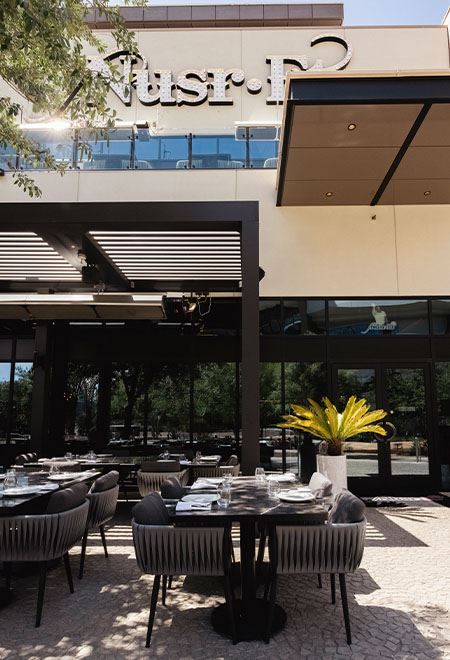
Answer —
(198, 455)
(54, 469)
(273, 488)
(224, 492)
(260, 475)
(68, 456)
(10, 479)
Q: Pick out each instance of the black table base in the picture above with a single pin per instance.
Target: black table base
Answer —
(251, 627)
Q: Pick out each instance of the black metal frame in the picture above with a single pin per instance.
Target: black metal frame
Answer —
(375, 90)
(70, 223)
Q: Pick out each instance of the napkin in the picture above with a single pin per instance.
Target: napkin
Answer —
(287, 477)
(201, 484)
(192, 506)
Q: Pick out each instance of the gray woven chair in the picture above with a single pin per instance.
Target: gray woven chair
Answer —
(102, 507)
(163, 550)
(153, 474)
(214, 471)
(41, 538)
(331, 548)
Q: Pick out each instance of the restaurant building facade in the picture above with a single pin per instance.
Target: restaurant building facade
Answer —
(257, 143)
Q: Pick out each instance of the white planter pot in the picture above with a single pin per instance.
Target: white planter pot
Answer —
(333, 468)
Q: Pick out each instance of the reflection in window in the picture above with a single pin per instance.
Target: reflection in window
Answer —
(302, 381)
(270, 317)
(361, 450)
(441, 317)
(8, 158)
(127, 393)
(58, 144)
(81, 402)
(304, 317)
(168, 403)
(270, 411)
(22, 398)
(166, 152)
(263, 153)
(5, 375)
(109, 150)
(218, 151)
(443, 401)
(215, 405)
(378, 317)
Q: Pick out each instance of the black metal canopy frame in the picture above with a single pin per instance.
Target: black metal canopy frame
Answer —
(216, 239)
(394, 154)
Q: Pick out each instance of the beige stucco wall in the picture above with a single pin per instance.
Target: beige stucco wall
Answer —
(305, 251)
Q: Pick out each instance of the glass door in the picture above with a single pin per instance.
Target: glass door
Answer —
(362, 451)
(406, 398)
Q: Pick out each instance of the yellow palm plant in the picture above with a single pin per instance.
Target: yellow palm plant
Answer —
(335, 428)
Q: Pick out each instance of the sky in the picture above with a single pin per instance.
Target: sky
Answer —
(358, 12)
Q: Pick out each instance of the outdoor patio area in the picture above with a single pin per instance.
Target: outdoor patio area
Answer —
(399, 602)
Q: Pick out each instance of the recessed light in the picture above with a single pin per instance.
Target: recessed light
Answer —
(351, 127)
(427, 193)
(329, 194)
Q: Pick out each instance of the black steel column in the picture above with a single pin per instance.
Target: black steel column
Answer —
(41, 388)
(57, 389)
(250, 341)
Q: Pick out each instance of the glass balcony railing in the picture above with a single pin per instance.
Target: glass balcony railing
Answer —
(137, 149)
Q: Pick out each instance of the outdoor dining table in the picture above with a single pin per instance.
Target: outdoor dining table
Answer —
(250, 504)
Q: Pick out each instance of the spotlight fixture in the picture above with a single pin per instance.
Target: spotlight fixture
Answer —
(427, 193)
(329, 194)
(351, 127)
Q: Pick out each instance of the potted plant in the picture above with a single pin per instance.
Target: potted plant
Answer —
(334, 428)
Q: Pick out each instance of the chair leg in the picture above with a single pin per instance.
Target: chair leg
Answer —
(83, 554)
(102, 534)
(273, 591)
(343, 588)
(153, 603)
(68, 571)
(319, 580)
(229, 600)
(170, 582)
(333, 588)
(164, 590)
(41, 591)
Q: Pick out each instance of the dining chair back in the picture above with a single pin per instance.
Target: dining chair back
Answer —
(149, 481)
(42, 538)
(166, 550)
(102, 506)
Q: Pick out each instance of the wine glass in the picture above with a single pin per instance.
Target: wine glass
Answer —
(224, 492)
(10, 479)
(54, 468)
(260, 475)
(273, 489)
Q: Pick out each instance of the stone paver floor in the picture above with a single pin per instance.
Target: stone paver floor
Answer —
(399, 603)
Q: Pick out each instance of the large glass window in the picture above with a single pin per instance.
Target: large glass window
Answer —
(443, 404)
(8, 158)
(109, 150)
(270, 410)
(362, 450)
(406, 402)
(22, 398)
(215, 405)
(441, 317)
(166, 152)
(169, 403)
(304, 317)
(302, 381)
(263, 153)
(5, 376)
(127, 394)
(270, 317)
(218, 151)
(58, 144)
(81, 404)
(378, 317)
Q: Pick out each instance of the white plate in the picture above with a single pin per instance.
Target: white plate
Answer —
(22, 491)
(64, 476)
(295, 496)
(202, 499)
